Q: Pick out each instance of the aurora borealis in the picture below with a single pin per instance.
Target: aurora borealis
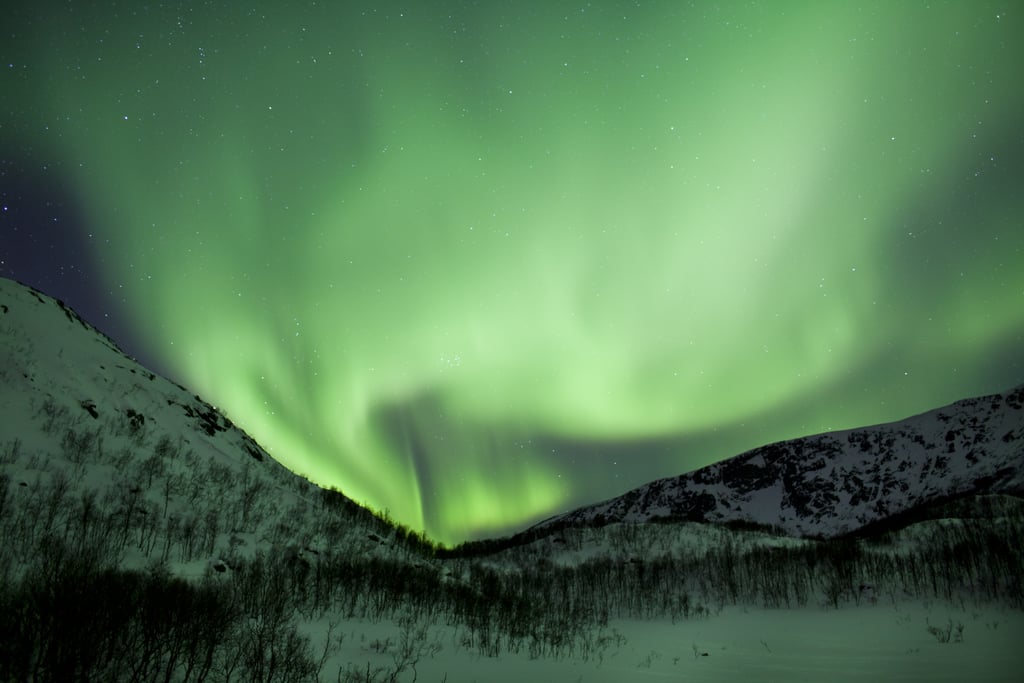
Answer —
(479, 262)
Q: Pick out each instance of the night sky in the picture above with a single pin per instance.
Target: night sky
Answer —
(477, 263)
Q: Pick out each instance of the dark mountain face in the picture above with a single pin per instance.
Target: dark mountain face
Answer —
(835, 483)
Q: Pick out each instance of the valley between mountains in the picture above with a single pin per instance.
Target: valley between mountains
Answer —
(144, 537)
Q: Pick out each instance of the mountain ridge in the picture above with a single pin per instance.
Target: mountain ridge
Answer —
(824, 485)
(835, 483)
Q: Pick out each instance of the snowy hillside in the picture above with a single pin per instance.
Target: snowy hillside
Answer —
(54, 362)
(835, 483)
(80, 415)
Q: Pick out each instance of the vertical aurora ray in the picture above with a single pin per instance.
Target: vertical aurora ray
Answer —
(474, 265)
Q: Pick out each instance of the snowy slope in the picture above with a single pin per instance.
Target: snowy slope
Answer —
(75, 408)
(49, 352)
(835, 483)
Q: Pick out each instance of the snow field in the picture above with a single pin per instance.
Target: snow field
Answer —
(879, 643)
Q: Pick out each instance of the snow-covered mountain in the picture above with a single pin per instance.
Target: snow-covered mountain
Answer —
(79, 415)
(65, 388)
(838, 482)
(51, 355)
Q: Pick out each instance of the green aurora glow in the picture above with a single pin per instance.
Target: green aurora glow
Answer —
(477, 263)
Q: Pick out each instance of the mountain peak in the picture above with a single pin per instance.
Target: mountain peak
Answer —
(838, 482)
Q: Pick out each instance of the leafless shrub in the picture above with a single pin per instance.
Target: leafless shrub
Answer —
(947, 633)
(11, 452)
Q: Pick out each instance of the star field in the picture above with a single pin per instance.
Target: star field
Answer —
(477, 263)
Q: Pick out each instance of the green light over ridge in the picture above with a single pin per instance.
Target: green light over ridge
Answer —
(458, 261)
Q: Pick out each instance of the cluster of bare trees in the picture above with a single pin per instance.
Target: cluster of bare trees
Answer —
(552, 610)
(71, 615)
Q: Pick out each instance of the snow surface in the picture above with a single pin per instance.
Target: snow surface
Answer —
(879, 643)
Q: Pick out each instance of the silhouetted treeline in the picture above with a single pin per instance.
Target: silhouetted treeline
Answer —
(70, 617)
